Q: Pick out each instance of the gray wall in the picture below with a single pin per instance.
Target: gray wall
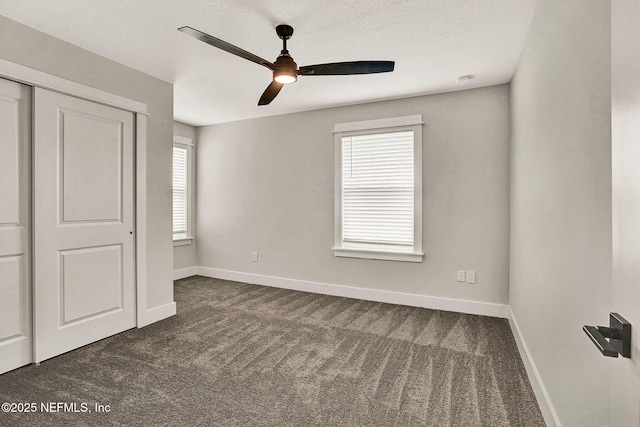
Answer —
(186, 256)
(23, 45)
(267, 185)
(560, 267)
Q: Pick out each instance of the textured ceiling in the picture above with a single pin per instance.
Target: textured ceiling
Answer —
(432, 41)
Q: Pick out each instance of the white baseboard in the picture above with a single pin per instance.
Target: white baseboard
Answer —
(155, 314)
(414, 300)
(185, 272)
(544, 402)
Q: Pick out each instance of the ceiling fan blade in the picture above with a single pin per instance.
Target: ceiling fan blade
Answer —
(346, 68)
(228, 47)
(270, 93)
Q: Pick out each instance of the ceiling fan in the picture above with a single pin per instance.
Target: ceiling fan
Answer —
(285, 70)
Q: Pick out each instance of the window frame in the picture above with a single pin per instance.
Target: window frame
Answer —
(368, 127)
(187, 144)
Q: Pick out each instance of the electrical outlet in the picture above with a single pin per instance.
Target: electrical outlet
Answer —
(461, 276)
(471, 276)
(254, 256)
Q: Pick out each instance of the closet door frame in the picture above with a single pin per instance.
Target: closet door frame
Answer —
(35, 78)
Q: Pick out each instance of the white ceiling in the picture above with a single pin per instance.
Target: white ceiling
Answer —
(433, 42)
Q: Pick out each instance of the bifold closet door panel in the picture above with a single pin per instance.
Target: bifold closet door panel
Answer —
(15, 264)
(84, 259)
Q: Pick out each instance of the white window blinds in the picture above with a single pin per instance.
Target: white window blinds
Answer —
(180, 195)
(378, 189)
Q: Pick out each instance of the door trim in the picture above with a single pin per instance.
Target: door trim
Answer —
(36, 78)
(40, 79)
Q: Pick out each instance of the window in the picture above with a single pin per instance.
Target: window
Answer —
(379, 189)
(182, 209)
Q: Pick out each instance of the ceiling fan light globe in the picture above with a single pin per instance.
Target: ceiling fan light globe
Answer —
(285, 77)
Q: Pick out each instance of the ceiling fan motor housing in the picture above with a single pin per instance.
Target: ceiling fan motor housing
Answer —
(286, 69)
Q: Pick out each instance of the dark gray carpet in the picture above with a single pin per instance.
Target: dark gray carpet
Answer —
(246, 355)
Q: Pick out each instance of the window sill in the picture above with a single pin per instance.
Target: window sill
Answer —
(382, 255)
(183, 241)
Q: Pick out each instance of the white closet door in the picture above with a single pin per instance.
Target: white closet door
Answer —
(83, 222)
(15, 264)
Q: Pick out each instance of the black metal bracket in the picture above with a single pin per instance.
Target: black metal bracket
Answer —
(614, 340)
